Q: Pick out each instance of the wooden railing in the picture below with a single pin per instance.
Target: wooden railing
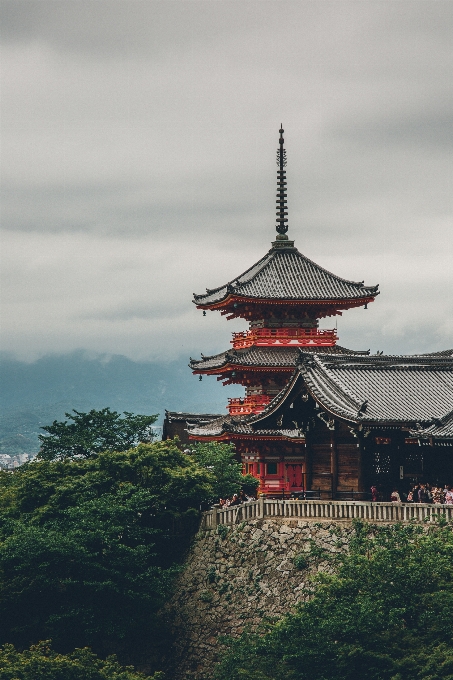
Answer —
(254, 403)
(296, 337)
(334, 510)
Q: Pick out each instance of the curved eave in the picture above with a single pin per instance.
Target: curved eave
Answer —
(441, 430)
(226, 360)
(209, 438)
(292, 274)
(229, 368)
(227, 364)
(336, 403)
(233, 436)
(276, 402)
(230, 299)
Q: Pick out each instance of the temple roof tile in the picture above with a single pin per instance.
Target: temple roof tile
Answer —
(371, 389)
(286, 274)
(411, 391)
(262, 356)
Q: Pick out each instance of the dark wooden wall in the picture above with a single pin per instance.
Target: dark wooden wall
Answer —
(175, 428)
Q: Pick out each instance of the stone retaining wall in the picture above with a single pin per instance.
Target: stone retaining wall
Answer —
(236, 576)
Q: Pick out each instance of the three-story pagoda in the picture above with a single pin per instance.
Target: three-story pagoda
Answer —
(283, 296)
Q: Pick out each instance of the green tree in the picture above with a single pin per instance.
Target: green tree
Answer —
(250, 484)
(221, 461)
(384, 615)
(91, 433)
(89, 547)
(40, 662)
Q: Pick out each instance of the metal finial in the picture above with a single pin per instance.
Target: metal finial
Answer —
(281, 226)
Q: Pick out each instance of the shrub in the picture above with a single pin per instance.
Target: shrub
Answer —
(40, 662)
(301, 562)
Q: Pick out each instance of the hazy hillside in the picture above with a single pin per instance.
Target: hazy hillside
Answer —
(34, 394)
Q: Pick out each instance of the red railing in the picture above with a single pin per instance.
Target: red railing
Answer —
(293, 337)
(251, 404)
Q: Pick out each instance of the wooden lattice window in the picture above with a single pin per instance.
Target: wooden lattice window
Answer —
(381, 463)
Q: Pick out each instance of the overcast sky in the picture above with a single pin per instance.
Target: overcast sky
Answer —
(139, 141)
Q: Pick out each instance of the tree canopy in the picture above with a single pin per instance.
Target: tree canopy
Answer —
(89, 547)
(220, 459)
(94, 432)
(41, 662)
(384, 614)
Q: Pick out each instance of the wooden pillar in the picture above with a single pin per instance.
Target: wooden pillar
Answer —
(308, 464)
(360, 471)
(262, 462)
(334, 460)
(281, 472)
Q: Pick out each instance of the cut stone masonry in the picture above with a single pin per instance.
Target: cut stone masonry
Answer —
(237, 577)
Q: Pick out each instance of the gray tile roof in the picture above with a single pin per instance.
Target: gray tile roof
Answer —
(213, 429)
(237, 426)
(440, 430)
(407, 391)
(262, 356)
(403, 389)
(199, 418)
(245, 424)
(284, 273)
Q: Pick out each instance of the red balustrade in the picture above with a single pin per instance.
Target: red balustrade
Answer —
(292, 337)
(251, 404)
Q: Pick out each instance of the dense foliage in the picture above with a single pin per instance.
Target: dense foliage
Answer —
(94, 432)
(41, 662)
(385, 614)
(89, 547)
(221, 460)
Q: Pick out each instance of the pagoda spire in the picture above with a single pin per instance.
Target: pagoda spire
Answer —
(281, 226)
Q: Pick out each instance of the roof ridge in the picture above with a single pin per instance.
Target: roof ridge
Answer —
(205, 357)
(335, 389)
(390, 359)
(210, 291)
(276, 401)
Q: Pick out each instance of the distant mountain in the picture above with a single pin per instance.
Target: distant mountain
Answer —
(35, 394)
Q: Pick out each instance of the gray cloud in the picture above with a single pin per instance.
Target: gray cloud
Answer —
(422, 129)
(109, 26)
(138, 144)
(130, 310)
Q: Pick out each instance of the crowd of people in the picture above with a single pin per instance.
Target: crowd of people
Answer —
(420, 493)
(237, 499)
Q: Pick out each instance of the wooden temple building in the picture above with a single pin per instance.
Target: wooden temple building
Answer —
(315, 415)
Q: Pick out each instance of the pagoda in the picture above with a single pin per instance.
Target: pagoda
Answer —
(282, 296)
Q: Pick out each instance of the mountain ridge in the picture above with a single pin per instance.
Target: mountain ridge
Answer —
(34, 394)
